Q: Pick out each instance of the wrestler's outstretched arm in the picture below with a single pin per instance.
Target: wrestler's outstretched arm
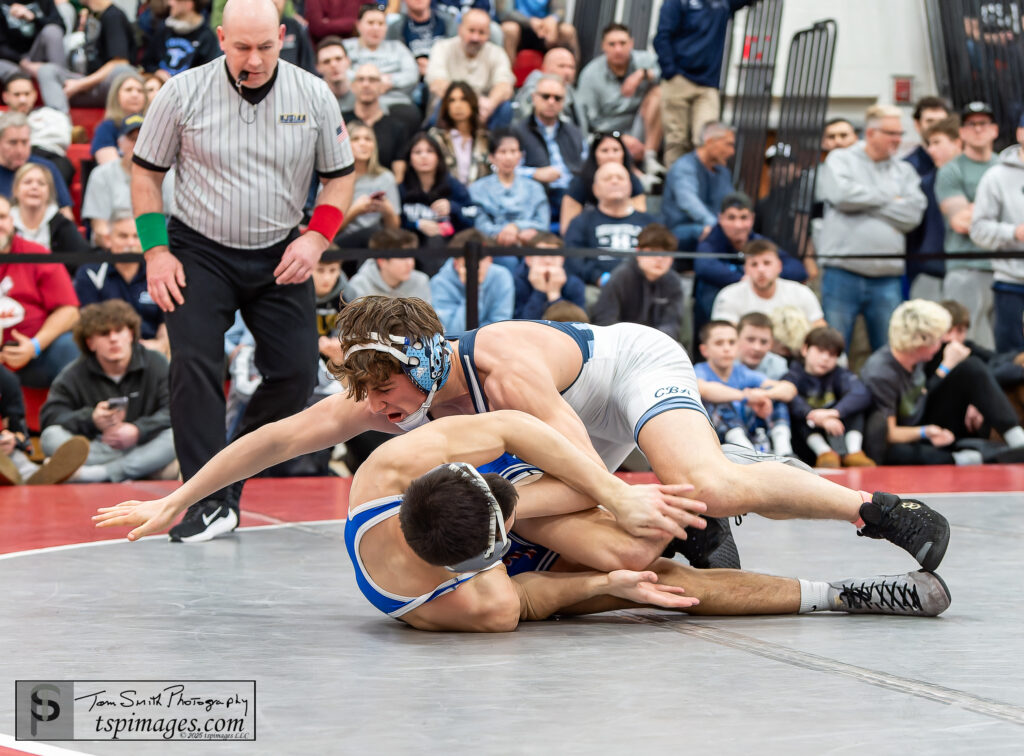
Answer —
(478, 439)
(494, 603)
(328, 422)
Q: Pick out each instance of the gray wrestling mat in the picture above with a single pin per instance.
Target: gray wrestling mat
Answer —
(279, 606)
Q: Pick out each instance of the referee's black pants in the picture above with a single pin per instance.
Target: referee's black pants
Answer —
(218, 281)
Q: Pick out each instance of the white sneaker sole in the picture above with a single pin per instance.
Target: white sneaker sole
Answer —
(219, 526)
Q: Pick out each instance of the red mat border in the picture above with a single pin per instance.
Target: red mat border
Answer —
(47, 516)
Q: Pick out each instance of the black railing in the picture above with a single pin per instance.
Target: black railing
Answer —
(473, 252)
(755, 74)
(786, 212)
(978, 52)
(589, 18)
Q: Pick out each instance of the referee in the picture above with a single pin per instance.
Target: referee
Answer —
(245, 134)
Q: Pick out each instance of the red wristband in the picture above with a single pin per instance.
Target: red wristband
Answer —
(326, 220)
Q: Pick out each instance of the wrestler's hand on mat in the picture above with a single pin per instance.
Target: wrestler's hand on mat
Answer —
(654, 509)
(643, 588)
(149, 516)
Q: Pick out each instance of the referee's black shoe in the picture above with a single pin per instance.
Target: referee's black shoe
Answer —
(710, 548)
(204, 521)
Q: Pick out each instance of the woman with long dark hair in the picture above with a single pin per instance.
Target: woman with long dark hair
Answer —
(434, 203)
(605, 147)
(460, 133)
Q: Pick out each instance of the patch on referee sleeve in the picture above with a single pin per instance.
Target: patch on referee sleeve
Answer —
(292, 118)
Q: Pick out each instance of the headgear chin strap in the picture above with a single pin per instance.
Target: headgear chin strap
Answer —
(426, 361)
(495, 549)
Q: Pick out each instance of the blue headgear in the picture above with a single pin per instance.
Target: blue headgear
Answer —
(427, 362)
(495, 549)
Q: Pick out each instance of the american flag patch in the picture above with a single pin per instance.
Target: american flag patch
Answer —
(342, 133)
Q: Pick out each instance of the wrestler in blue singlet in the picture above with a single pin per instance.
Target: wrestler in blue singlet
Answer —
(522, 557)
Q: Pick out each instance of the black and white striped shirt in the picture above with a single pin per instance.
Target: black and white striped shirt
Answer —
(243, 169)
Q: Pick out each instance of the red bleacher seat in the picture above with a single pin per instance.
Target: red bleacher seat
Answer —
(527, 61)
(87, 118)
(76, 154)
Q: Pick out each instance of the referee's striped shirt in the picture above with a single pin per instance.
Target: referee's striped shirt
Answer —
(243, 170)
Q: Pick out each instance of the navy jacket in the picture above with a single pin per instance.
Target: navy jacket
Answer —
(416, 203)
(531, 304)
(98, 282)
(721, 271)
(930, 236)
(840, 390)
(691, 38)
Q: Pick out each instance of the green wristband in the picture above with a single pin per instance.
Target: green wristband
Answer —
(152, 228)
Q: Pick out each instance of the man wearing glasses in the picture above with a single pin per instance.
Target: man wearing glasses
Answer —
(553, 149)
(391, 130)
(872, 199)
(969, 282)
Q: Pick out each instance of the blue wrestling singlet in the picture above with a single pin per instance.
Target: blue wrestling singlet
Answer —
(579, 332)
(522, 557)
(525, 556)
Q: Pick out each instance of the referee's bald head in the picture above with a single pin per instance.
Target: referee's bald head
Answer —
(251, 35)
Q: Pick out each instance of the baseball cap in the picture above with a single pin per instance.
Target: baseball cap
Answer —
(131, 123)
(977, 107)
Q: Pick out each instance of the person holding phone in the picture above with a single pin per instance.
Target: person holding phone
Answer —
(375, 199)
(115, 395)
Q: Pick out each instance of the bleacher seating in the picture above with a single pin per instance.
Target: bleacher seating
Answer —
(77, 154)
(87, 118)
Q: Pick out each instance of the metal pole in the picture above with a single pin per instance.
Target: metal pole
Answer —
(471, 254)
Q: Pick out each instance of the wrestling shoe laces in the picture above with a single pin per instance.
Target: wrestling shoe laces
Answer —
(918, 594)
(910, 524)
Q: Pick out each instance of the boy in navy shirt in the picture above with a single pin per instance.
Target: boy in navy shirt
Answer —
(831, 404)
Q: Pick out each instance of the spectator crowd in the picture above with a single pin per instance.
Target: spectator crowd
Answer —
(472, 122)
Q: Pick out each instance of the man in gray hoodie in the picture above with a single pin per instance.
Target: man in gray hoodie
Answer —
(390, 277)
(998, 224)
(871, 201)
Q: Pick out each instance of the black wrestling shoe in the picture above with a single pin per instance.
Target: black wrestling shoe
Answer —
(910, 524)
(711, 548)
(917, 594)
(205, 521)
